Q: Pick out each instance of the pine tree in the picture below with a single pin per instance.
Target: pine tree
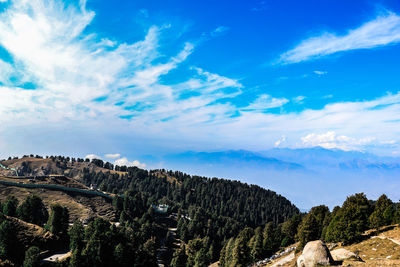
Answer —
(33, 210)
(76, 259)
(10, 206)
(8, 239)
(58, 220)
(76, 234)
(179, 258)
(350, 221)
(377, 218)
(269, 239)
(241, 252)
(32, 257)
(257, 245)
(120, 255)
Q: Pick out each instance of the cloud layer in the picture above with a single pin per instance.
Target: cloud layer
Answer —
(81, 85)
(383, 30)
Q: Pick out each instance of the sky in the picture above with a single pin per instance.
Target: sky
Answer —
(140, 79)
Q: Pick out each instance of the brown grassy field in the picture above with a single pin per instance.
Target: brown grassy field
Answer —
(80, 207)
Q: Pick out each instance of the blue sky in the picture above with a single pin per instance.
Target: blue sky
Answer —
(145, 78)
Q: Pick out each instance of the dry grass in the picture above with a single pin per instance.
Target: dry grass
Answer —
(80, 207)
(379, 250)
(376, 248)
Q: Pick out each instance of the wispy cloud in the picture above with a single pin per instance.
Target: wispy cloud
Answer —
(383, 30)
(299, 99)
(90, 85)
(220, 30)
(280, 141)
(320, 72)
(331, 140)
(265, 102)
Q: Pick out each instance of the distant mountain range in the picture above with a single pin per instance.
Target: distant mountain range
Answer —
(240, 158)
(307, 176)
(286, 159)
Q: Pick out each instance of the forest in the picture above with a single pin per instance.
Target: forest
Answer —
(216, 220)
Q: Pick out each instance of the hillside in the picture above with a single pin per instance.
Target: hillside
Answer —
(36, 165)
(81, 206)
(175, 219)
(200, 210)
(379, 248)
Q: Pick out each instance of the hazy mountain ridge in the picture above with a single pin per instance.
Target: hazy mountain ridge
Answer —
(291, 172)
(224, 158)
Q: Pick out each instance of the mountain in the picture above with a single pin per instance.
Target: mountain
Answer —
(240, 158)
(69, 190)
(292, 172)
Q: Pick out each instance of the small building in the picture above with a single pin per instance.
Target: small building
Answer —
(93, 186)
(161, 208)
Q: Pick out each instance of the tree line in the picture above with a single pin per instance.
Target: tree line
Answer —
(345, 224)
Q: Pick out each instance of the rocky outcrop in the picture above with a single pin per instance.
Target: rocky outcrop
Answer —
(315, 253)
(342, 254)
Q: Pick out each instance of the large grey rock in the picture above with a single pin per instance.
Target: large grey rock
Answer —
(315, 253)
(342, 254)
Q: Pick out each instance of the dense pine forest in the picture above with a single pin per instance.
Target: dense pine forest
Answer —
(210, 211)
(207, 220)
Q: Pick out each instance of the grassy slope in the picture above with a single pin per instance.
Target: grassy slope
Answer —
(80, 207)
(381, 248)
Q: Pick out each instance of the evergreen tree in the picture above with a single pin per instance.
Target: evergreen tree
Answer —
(32, 257)
(120, 255)
(58, 220)
(76, 259)
(350, 221)
(10, 206)
(241, 252)
(308, 230)
(76, 234)
(377, 218)
(179, 258)
(8, 245)
(312, 225)
(289, 229)
(147, 255)
(257, 245)
(33, 210)
(389, 215)
(194, 246)
(269, 239)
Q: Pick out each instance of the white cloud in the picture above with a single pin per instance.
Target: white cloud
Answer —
(388, 142)
(280, 141)
(264, 102)
(320, 72)
(71, 67)
(125, 162)
(330, 140)
(299, 99)
(92, 156)
(383, 30)
(112, 156)
(219, 31)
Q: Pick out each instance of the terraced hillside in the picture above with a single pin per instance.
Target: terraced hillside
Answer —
(47, 172)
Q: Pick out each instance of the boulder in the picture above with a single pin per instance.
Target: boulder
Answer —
(342, 254)
(315, 253)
